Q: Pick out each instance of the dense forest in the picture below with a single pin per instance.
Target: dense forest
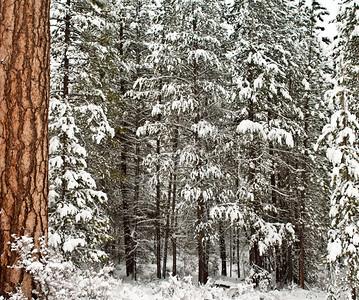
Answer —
(208, 138)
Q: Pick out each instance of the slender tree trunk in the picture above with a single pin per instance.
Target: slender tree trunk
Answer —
(174, 226)
(301, 255)
(126, 200)
(167, 228)
(203, 245)
(304, 166)
(127, 212)
(230, 251)
(158, 203)
(206, 258)
(202, 278)
(173, 204)
(201, 205)
(24, 102)
(174, 255)
(222, 249)
(302, 203)
(237, 233)
(65, 96)
(354, 294)
(238, 256)
(136, 200)
(290, 264)
(67, 42)
(254, 258)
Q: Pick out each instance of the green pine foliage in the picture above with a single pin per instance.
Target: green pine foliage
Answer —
(340, 138)
(77, 224)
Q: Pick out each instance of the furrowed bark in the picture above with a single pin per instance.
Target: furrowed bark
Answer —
(24, 102)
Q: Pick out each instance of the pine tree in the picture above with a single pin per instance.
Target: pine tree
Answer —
(340, 137)
(126, 179)
(308, 90)
(24, 103)
(189, 70)
(76, 206)
(263, 113)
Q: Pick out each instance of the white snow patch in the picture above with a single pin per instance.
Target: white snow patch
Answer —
(70, 245)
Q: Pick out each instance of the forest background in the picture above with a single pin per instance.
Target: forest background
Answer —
(205, 136)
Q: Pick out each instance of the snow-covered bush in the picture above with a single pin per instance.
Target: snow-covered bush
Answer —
(184, 289)
(57, 278)
(261, 277)
(240, 289)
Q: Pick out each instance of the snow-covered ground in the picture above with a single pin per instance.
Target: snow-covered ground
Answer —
(185, 290)
(151, 293)
(294, 294)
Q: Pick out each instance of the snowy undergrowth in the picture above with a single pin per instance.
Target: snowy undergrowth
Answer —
(61, 279)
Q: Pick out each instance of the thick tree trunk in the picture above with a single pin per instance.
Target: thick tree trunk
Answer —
(24, 102)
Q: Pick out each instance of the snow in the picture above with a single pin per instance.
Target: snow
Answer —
(334, 250)
(250, 126)
(184, 290)
(61, 279)
(334, 155)
(54, 239)
(204, 128)
(70, 245)
(165, 291)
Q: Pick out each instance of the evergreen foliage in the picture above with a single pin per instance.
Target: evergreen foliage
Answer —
(340, 137)
(78, 226)
(215, 108)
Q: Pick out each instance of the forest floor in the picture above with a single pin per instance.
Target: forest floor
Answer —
(186, 288)
(148, 292)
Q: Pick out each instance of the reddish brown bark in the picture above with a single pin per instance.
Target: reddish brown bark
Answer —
(24, 97)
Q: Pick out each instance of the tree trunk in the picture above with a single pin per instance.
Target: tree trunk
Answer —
(24, 102)
(254, 258)
(301, 255)
(129, 251)
(158, 209)
(238, 256)
(202, 261)
(167, 228)
(65, 97)
(174, 226)
(127, 208)
(302, 203)
(173, 204)
(222, 249)
(135, 201)
(354, 294)
(230, 252)
(290, 265)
